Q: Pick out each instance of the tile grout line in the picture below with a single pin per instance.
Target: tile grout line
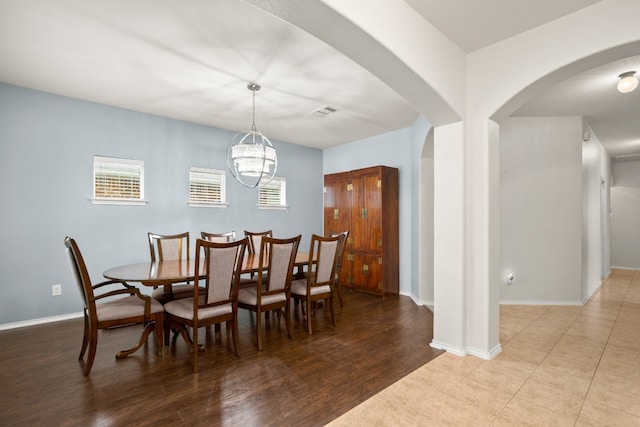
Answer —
(603, 348)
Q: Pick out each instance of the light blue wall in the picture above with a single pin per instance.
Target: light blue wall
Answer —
(400, 149)
(46, 148)
(419, 131)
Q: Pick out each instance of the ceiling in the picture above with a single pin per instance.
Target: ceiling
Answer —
(191, 60)
(485, 22)
(613, 116)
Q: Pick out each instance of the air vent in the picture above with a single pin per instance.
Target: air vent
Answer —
(627, 157)
(324, 111)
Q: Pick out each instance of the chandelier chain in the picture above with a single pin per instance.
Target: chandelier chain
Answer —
(253, 87)
(253, 120)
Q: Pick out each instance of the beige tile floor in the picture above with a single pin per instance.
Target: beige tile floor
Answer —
(573, 366)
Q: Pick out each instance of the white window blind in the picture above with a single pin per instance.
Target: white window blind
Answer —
(117, 180)
(273, 194)
(207, 186)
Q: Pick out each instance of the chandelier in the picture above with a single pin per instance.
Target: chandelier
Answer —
(251, 158)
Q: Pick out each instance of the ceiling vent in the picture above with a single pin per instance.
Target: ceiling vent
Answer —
(627, 157)
(324, 111)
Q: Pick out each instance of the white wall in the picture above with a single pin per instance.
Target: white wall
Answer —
(541, 209)
(595, 225)
(451, 314)
(425, 254)
(625, 215)
(421, 214)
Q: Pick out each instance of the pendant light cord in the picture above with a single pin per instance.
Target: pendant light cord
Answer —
(254, 87)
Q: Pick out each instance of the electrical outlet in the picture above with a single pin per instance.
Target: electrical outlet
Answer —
(510, 278)
(56, 290)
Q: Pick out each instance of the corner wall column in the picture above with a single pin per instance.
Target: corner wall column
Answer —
(449, 323)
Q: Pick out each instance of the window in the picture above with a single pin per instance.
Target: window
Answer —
(118, 181)
(274, 194)
(207, 187)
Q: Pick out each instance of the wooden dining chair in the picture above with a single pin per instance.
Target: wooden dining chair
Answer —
(273, 290)
(217, 302)
(229, 236)
(255, 237)
(341, 246)
(318, 285)
(173, 247)
(102, 311)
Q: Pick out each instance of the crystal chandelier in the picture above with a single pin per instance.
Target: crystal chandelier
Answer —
(251, 158)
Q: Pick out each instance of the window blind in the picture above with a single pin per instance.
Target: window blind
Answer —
(273, 194)
(120, 179)
(206, 186)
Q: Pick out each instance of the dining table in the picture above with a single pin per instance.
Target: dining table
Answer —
(167, 272)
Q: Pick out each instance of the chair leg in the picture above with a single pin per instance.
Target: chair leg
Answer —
(295, 307)
(167, 329)
(85, 337)
(259, 329)
(333, 316)
(302, 307)
(287, 319)
(234, 326)
(93, 343)
(195, 349)
(308, 302)
(184, 332)
(339, 289)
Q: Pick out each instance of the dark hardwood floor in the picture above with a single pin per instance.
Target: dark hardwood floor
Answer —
(309, 380)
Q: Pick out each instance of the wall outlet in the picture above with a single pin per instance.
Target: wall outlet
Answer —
(509, 280)
(56, 290)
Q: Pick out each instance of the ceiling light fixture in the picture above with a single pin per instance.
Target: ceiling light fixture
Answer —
(251, 158)
(628, 82)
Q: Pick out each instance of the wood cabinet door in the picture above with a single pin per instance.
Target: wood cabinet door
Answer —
(337, 203)
(366, 212)
(367, 272)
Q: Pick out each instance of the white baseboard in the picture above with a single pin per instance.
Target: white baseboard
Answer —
(530, 302)
(418, 301)
(449, 349)
(484, 354)
(33, 322)
(462, 352)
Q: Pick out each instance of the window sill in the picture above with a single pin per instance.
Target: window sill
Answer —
(275, 208)
(121, 202)
(207, 205)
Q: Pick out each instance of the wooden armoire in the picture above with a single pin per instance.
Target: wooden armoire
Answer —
(365, 202)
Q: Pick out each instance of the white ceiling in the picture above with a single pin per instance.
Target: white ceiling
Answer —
(613, 116)
(191, 60)
(474, 24)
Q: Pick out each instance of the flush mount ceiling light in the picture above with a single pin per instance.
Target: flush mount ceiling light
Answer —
(251, 158)
(628, 82)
